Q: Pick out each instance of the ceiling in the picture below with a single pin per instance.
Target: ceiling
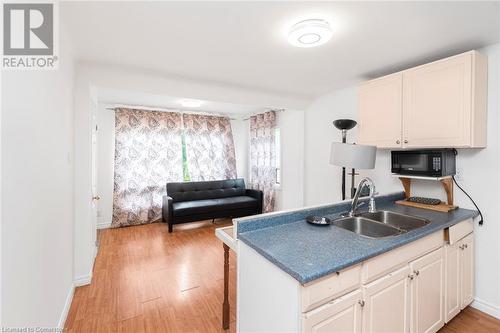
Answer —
(114, 97)
(243, 44)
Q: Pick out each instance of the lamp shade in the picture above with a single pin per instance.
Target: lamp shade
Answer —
(353, 156)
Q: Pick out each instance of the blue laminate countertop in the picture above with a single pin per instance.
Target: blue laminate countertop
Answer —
(308, 252)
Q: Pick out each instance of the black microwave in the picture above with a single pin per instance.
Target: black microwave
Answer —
(428, 162)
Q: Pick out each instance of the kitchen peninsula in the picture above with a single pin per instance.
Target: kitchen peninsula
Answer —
(298, 277)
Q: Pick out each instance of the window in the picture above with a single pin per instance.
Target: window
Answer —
(277, 142)
(185, 170)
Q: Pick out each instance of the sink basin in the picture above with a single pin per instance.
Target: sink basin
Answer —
(365, 227)
(401, 221)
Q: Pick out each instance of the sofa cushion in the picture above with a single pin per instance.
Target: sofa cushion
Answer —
(204, 190)
(187, 208)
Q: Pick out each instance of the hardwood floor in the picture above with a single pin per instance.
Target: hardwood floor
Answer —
(147, 280)
(472, 320)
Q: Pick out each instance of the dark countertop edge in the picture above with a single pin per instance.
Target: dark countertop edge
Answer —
(306, 279)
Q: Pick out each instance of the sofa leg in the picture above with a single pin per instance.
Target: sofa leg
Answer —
(170, 227)
(213, 220)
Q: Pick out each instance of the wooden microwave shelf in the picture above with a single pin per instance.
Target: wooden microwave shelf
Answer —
(442, 207)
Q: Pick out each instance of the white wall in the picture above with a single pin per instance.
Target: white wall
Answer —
(291, 192)
(322, 183)
(478, 170)
(37, 194)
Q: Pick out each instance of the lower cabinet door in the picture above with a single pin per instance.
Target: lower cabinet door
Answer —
(342, 315)
(427, 293)
(467, 270)
(452, 299)
(387, 305)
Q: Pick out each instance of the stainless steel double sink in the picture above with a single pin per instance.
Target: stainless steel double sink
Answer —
(380, 224)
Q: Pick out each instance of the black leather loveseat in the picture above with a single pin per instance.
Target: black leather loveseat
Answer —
(196, 201)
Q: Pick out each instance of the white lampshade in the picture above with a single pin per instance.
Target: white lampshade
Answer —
(353, 156)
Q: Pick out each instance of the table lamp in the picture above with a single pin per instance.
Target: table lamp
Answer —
(352, 156)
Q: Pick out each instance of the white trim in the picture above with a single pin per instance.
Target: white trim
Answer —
(86, 279)
(67, 306)
(103, 225)
(486, 307)
(113, 107)
(419, 177)
(83, 280)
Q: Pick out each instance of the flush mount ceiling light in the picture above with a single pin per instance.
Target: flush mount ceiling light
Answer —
(191, 103)
(310, 33)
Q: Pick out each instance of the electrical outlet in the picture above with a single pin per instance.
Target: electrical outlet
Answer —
(459, 175)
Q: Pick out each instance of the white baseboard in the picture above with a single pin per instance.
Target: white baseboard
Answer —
(486, 307)
(83, 280)
(86, 279)
(67, 306)
(103, 225)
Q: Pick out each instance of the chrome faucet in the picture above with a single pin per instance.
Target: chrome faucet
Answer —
(371, 206)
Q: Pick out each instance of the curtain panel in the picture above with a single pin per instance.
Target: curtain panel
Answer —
(263, 156)
(209, 148)
(148, 154)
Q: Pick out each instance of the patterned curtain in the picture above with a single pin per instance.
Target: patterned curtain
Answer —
(209, 148)
(148, 153)
(263, 156)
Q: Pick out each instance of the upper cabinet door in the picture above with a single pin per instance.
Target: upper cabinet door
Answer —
(380, 110)
(440, 104)
(437, 103)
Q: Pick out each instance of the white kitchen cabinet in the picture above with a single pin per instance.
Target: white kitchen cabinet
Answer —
(453, 300)
(467, 271)
(387, 303)
(441, 104)
(459, 276)
(427, 293)
(339, 316)
(414, 288)
(380, 111)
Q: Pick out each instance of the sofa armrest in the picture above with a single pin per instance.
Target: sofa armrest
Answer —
(166, 208)
(257, 194)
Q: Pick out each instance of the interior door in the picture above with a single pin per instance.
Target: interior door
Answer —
(453, 300)
(467, 270)
(95, 196)
(387, 304)
(380, 112)
(437, 103)
(427, 293)
(342, 315)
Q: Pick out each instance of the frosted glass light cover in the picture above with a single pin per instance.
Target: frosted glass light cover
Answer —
(353, 156)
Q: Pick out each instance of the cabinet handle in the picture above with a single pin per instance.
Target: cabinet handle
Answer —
(362, 303)
(416, 272)
(410, 276)
(398, 142)
(406, 141)
(461, 247)
(465, 245)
